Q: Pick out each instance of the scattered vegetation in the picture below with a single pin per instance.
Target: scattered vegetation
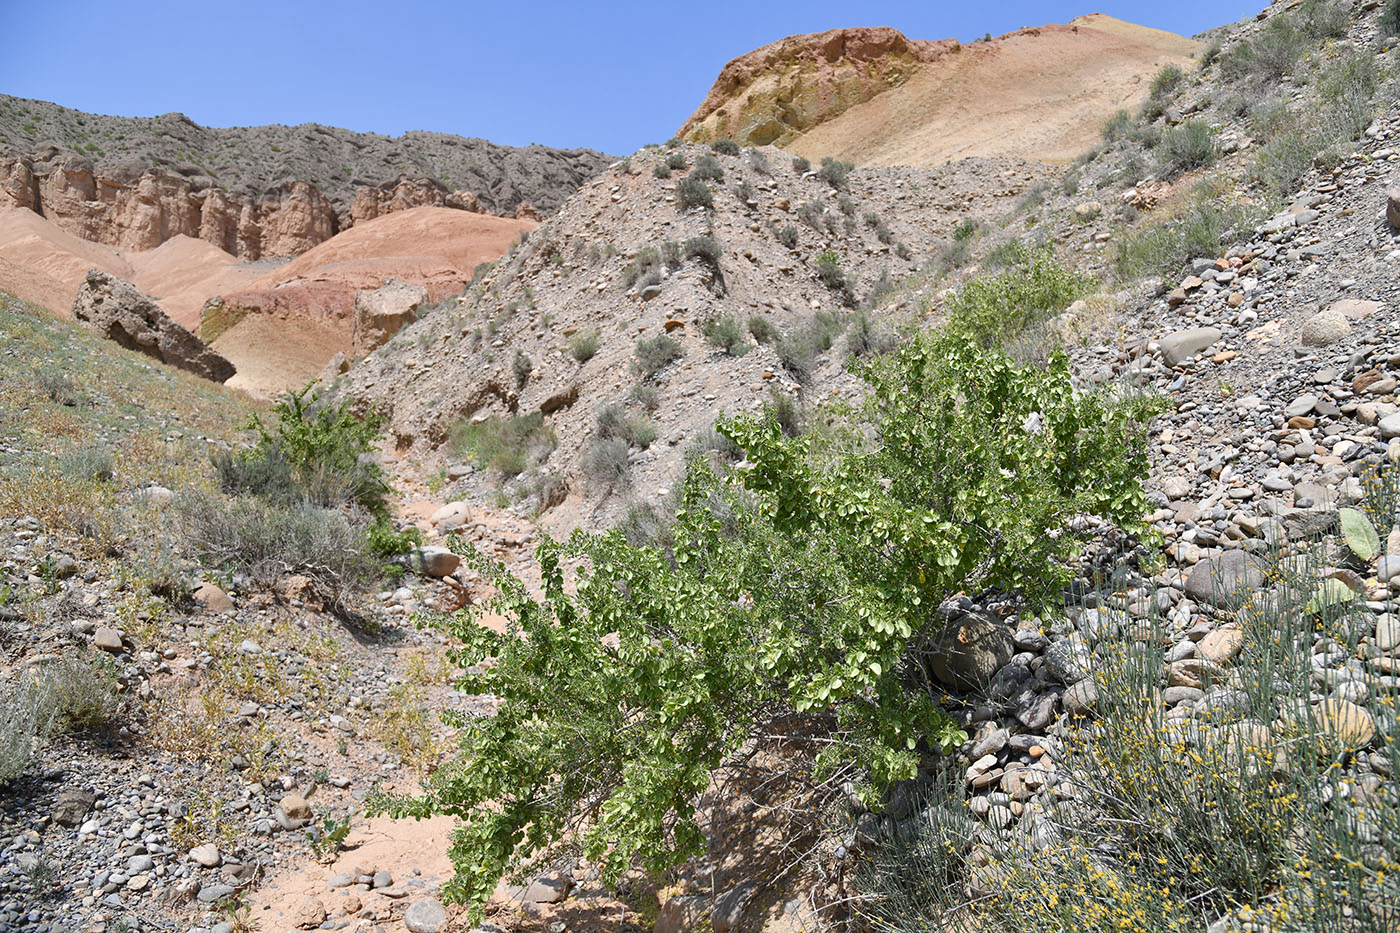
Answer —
(830, 274)
(615, 421)
(834, 171)
(1202, 228)
(992, 309)
(707, 168)
(725, 147)
(1186, 147)
(691, 192)
(509, 445)
(77, 692)
(787, 235)
(761, 329)
(654, 354)
(801, 165)
(583, 346)
(727, 334)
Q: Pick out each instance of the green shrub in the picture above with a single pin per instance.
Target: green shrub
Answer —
(707, 168)
(830, 274)
(692, 192)
(759, 162)
(744, 192)
(845, 205)
(521, 366)
(884, 234)
(762, 329)
(508, 445)
(703, 248)
(725, 147)
(787, 235)
(727, 334)
(864, 337)
(992, 309)
(1188, 146)
(606, 463)
(1390, 17)
(811, 213)
(647, 260)
(625, 690)
(671, 254)
(26, 719)
(676, 161)
(267, 540)
(648, 397)
(882, 286)
(383, 540)
(800, 165)
(84, 690)
(1117, 126)
(57, 387)
(583, 346)
(661, 170)
(834, 172)
(615, 421)
(1203, 228)
(1165, 81)
(654, 354)
(87, 463)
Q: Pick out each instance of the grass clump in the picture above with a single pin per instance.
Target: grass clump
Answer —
(993, 309)
(654, 354)
(707, 168)
(787, 235)
(615, 421)
(661, 170)
(1186, 147)
(584, 345)
(725, 147)
(691, 192)
(1117, 126)
(834, 171)
(727, 334)
(801, 165)
(1163, 248)
(1166, 80)
(76, 693)
(676, 161)
(761, 329)
(606, 463)
(507, 445)
(830, 274)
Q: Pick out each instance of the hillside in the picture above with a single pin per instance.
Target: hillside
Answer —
(874, 97)
(337, 162)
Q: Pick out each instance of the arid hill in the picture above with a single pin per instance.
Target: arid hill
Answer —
(874, 97)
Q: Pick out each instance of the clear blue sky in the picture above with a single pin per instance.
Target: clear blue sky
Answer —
(611, 76)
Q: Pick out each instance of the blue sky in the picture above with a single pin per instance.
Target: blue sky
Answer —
(611, 76)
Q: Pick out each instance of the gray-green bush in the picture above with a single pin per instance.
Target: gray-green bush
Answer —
(654, 354)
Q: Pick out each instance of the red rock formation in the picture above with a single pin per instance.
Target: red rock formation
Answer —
(405, 193)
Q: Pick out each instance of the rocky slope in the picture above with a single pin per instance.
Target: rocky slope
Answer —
(511, 347)
(256, 191)
(873, 97)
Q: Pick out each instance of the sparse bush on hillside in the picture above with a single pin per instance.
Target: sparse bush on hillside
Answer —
(57, 387)
(654, 353)
(584, 345)
(801, 165)
(759, 162)
(993, 309)
(725, 147)
(606, 463)
(744, 192)
(834, 171)
(787, 235)
(884, 234)
(1276, 50)
(647, 397)
(785, 411)
(521, 366)
(647, 260)
(661, 170)
(673, 663)
(811, 213)
(616, 421)
(26, 719)
(882, 286)
(676, 161)
(1188, 146)
(864, 337)
(830, 274)
(1390, 17)
(762, 329)
(87, 462)
(1165, 81)
(703, 248)
(707, 168)
(1116, 127)
(845, 205)
(727, 334)
(1203, 228)
(508, 445)
(692, 192)
(671, 254)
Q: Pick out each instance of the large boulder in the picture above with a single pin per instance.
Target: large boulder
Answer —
(116, 309)
(1392, 207)
(1179, 347)
(382, 312)
(970, 647)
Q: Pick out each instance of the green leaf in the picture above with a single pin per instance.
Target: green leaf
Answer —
(1332, 592)
(1360, 534)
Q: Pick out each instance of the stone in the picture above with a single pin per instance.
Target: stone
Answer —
(1080, 698)
(684, 914)
(296, 807)
(1301, 405)
(728, 913)
(970, 648)
(207, 855)
(1222, 645)
(382, 312)
(156, 497)
(1354, 309)
(454, 514)
(381, 879)
(1389, 426)
(1179, 347)
(1349, 725)
(213, 893)
(308, 913)
(108, 639)
(1068, 660)
(1392, 208)
(72, 805)
(424, 915)
(212, 598)
(433, 561)
(115, 309)
(1222, 579)
(1325, 328)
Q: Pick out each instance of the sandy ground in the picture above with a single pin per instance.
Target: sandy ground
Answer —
(1038, 94)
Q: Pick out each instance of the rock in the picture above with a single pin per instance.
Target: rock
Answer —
(108, 639)
(1088, 210)
(1222, 645)
(685, 914)
(308, 913)
(381, 879)
(156, 497)
(1325, 328)
(1080, 699)
(296, 807)
(550, 889)
(1392, 208)
(1349, 725)
(1179, 347)
(729, 908)
(1068, 660)
(117, 310)
(433, 561)
(212, 598)
(453, 515)
(213, 893)
(970, 648)
(1220, 580)
(424, 915)
(383, 312)
(337, 365)
(1354, 309)
(207, 855)
(72, 805)
(1390, 426)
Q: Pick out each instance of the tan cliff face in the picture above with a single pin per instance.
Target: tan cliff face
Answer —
(775, 93)
(873, 97)
(137, 208)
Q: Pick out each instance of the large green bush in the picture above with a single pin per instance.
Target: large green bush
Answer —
(993, 309)
(799, 590)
